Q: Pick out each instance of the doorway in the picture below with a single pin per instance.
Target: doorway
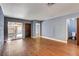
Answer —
(37, 29)
(14, 30)
(72, 30)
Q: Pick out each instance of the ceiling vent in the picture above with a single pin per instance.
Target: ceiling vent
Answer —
(50, 4)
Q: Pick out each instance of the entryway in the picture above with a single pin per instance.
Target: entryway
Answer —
(72, 30)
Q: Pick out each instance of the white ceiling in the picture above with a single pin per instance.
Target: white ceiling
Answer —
(38, 11)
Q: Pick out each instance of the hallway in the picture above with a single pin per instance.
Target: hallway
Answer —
(39, 47)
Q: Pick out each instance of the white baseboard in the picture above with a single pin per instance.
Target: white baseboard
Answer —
(54, 39)
(33, 36)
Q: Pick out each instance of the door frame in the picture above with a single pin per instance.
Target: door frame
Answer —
(77, 34)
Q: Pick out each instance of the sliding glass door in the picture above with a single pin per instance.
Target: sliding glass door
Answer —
(14, 30)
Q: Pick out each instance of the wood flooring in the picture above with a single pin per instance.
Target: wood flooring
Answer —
(39, 47)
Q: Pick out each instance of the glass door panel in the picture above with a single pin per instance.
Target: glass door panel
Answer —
(14, 30)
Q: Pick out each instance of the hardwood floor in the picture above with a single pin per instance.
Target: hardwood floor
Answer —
(39, 47)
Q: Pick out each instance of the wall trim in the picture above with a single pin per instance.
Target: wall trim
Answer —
(54, 39)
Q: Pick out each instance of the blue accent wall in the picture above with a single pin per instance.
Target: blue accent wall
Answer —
(54, 28)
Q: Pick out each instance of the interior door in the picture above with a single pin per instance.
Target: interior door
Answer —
(27, 30)
(77, 37)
